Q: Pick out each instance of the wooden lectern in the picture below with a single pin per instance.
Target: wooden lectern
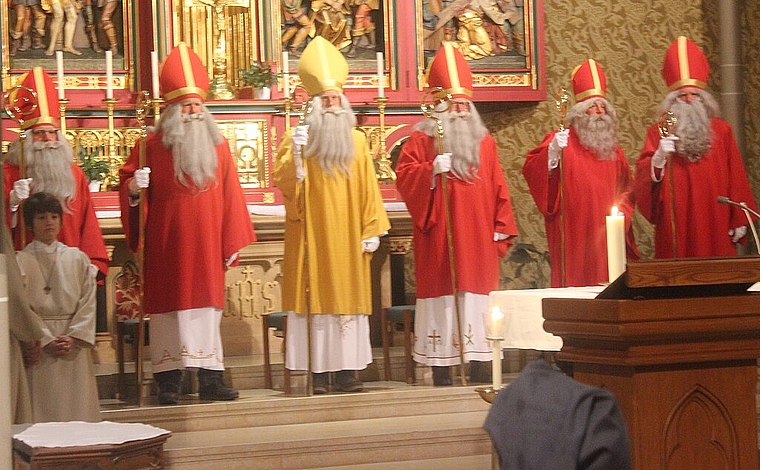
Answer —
(677, 342)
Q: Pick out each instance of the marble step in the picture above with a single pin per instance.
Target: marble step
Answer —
(262, 408)
(441, 441)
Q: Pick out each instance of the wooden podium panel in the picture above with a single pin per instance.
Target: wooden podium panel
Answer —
(76, 445)
(135, 455)
(683, 368)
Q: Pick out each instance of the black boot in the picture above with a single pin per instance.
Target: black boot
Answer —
(319, 383)
(481, 372)
(442, 376)
(168, 383)
(211, 386)
(347, 382)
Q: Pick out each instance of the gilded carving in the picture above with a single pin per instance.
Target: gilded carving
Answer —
(248, 143)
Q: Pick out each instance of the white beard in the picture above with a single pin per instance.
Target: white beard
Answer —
(693, 123)
(693, 129)
(331, 140)
(49, 166)
(192, 139)
(597, 132)
(462, 134)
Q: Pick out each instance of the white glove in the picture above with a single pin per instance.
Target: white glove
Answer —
(497, 237)
(21, 189)
(558, 143)
(300, 170)
(371, 244)
(737, 233)
(666, 146)
(140, 181)
(300, 135)
(442, 163)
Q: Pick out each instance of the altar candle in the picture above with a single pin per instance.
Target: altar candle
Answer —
(109, 75)
(285, 74)
(496, 333)
(154, 74)
(615, 244)
(496, 367)
(59, 67)
(380, 68)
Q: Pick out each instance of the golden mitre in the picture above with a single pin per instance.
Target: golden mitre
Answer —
(322, 67)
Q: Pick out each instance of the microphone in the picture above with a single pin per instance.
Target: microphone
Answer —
(741, 205)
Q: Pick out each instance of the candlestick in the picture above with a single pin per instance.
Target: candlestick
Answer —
(62, 103)
(154, 74)
(59, 67)
(109, 75)
(380, 81)
(615, 244)
(383, 170)
(285, 74)
(113, 158)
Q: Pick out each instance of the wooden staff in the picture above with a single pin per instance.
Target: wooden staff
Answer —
(141, 108)
(305, 110)
(665, 125)
(17, 108)
(428, 109)
(561, 105)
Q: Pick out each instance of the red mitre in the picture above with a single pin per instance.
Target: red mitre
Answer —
(449, 71)
(183, 76)
(23, 100)
(685, 65)
(588, 81)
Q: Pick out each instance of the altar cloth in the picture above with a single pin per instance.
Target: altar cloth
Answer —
(523, 316)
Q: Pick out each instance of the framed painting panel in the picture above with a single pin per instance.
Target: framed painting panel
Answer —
(35, 29)
(502, 41)
(360, 29)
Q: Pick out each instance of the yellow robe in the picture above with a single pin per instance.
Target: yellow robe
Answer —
(340, 212)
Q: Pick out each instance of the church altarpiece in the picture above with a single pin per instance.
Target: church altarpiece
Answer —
(502, 39)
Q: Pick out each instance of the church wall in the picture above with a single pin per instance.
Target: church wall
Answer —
(628, 38)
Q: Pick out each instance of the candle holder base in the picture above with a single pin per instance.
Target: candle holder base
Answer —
(488, 393)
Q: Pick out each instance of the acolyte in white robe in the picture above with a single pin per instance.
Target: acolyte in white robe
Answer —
(62, 388)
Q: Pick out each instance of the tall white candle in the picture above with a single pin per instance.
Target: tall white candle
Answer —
(154, 74)
(615, 244)
(109, 75)
(59, 67)
(380, 69)
(495, 332)
(496, 364)
(285, 74)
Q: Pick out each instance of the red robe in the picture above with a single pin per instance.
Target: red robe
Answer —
(702, 224)
(79, 225)
(590, 187)
(477, 209)
(188, 234)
